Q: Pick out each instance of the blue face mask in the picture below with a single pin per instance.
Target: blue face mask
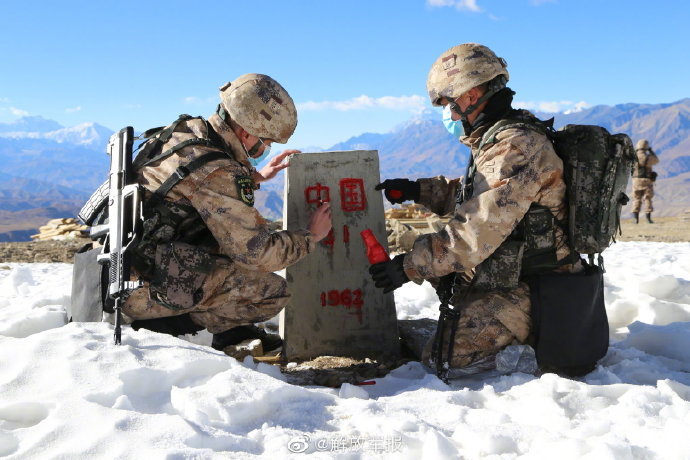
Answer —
(255, 161)
(453, 126)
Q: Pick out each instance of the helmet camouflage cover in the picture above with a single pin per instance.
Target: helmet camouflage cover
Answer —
(261, 106)
(642, 144)
(461, 68)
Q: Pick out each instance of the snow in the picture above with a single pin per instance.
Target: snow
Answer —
(67, 392)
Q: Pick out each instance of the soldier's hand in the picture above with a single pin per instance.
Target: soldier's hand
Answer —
(275, 164)
(389, 275)
(321, 222)
(399, 190)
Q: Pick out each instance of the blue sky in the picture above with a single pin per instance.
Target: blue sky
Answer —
(351, 66)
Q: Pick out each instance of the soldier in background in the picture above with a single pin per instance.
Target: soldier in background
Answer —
(207, 256)
(643, 180)
(513, 173)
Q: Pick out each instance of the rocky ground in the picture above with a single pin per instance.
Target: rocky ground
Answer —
(50, 251)
(664, 229)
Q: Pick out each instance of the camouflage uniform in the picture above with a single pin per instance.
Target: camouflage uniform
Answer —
(241, 287)
(519, 169)
(642, 184)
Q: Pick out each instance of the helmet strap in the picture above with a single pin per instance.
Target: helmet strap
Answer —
(494, 86)
(222, 113)
(254, 149)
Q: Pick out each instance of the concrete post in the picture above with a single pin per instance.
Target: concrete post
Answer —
(335, 309)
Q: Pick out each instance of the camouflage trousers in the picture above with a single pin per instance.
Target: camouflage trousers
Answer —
(487, 324)
(232, 296)
(643, 189)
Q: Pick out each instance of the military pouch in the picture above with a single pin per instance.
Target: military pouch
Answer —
(540, 245)
(181, 270)
(569, 322)
(89, 286)
(501, 270)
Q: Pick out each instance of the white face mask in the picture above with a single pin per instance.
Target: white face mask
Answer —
(453, 126)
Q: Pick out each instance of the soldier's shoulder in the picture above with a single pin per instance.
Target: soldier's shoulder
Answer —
(181, 130)
(223, 169)
(527, 133)
(231, 166)
(189, 128)
(524, 122)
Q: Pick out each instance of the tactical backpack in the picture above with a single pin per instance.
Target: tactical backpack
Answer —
(597, 166)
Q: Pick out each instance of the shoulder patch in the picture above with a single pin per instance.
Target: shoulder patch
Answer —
(245, 189)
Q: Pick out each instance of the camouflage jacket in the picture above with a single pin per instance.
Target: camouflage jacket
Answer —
(645, 161)
(221, 191)
(519, 169)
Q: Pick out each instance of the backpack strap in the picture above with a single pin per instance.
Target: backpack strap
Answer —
(164, 154)
(164, 134)
(160, 136)
(183, 171)
(467, 189)
(489, 137)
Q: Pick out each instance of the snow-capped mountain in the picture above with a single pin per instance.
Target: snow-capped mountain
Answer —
(90, 135)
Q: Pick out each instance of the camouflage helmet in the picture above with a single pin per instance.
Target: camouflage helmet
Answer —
(461, 68)
(261, 106)
(642, 144)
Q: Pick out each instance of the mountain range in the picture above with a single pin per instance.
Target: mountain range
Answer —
(49, 171)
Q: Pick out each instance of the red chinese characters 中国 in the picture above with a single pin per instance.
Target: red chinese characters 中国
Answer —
(352, 196)
(317, 194)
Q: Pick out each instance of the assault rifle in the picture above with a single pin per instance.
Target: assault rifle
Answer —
(124, 223)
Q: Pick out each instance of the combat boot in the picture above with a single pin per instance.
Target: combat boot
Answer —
(649, 218)
(241, 333)
(636, 216)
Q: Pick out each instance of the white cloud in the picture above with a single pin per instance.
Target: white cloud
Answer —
(579, 107)
(18, 112)
(553, 106)
(471, 5)
(193, 100)
(73, 109)
(412, 103)
(467, 5)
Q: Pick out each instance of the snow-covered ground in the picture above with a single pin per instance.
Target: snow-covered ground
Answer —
(67, 392)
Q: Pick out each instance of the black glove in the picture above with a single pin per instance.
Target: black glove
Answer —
(399, 190)
(389, 275)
